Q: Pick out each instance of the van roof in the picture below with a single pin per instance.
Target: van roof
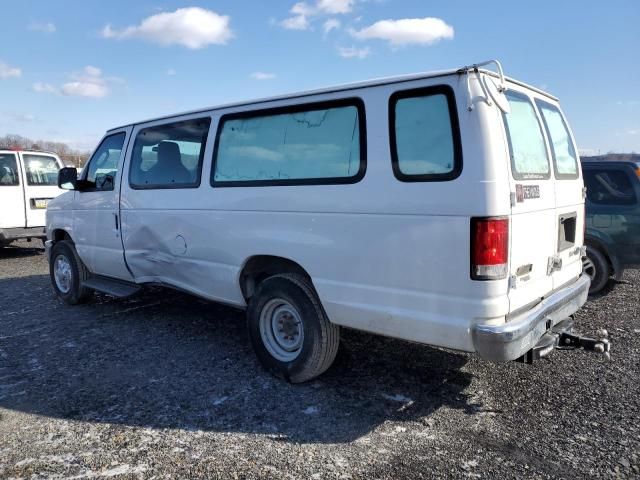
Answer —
(27, 151)
(338, 88)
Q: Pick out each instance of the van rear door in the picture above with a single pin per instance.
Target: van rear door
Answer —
(569, 194)
(12, 214)
(533, 203)
(40, 180)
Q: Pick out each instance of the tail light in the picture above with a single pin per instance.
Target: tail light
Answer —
(489, 248)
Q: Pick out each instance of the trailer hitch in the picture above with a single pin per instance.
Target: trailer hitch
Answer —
(561, 337)
(569, 341)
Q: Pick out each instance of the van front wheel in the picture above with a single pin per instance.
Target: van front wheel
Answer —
(289, 330)
(596, 266)
(67, 273)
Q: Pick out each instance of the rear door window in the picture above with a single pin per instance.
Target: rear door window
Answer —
(9, 176)
(609, 186)
(565, 160)
(42, 170)
(529, 160)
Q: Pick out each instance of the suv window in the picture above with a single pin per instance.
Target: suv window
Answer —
(529, 160)
(319, 143)
(103, 165)
(41, 169)
(608, 186)
(170, 155)
(8, 170)
(424, 135)
(565, 160)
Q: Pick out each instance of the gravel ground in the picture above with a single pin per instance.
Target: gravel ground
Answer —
(165, 385)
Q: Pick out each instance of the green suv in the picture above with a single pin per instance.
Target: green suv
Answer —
(612, 234)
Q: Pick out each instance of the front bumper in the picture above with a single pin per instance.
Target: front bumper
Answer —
(10, 234)
(511, 340)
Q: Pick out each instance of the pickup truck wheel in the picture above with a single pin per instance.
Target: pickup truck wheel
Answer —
(289, 330)
(597, 267)
(67, 274)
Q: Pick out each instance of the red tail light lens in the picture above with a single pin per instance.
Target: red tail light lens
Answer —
(489, 248)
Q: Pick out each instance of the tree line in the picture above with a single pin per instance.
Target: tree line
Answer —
(68, 155)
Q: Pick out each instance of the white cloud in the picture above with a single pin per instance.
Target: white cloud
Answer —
(47, 27)
(44, 88)
(406, 31)
(7, 71)
(299, 22)
(89, 83)
(633, 131)
(171, 72)
(353, 52)
(301, 13)
(263, 76)
(20, 117)
(191, 27)
(331, 24)
(335, 6)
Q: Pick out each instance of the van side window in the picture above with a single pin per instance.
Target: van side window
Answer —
(170, 155)
(529, 160)
(41, 169)
(564, 155)
(9, 176)
(103, 165)
(608, 186)
(320, 143)
(424, 135)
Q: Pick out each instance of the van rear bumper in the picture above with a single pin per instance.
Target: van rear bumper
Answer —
(511, 340)
(10, 234)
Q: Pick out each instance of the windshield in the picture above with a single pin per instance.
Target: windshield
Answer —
(41, 169)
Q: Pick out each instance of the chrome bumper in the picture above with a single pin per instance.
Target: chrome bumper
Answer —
(511, 340)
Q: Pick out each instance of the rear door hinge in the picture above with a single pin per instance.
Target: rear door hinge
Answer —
(512, 198)
(513, 282)
(584, 192)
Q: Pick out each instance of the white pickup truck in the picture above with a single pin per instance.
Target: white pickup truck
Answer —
(445, 208)
(28, 180)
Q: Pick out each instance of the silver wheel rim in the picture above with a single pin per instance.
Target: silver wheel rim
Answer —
(62, 273)
(281, 330)
(588, 267)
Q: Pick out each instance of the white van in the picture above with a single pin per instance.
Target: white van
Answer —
(28, 180)
(444, 208)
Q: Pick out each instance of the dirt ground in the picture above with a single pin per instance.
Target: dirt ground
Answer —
(163, 385)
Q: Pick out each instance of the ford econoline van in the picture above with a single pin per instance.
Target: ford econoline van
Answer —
(28, 181)
(444, 208)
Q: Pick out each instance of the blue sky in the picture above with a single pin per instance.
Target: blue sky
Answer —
(71, 69)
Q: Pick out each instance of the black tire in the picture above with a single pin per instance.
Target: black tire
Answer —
(321, 338)
(76, 293)
(597, 267)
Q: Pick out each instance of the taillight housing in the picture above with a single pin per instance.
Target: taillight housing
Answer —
(489, 248)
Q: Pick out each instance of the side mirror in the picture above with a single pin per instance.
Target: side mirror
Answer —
(68, 178)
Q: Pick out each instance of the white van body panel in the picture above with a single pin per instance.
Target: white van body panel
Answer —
(24, 205)
(96, 226)
(12, 214)
(385, 256)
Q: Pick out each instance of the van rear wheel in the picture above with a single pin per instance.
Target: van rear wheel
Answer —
(289, 330)
(595, 265)
(67, 274)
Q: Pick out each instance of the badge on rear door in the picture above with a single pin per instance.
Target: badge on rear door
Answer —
(525, 192)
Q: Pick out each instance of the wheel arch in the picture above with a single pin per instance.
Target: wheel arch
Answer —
(258, 267)
(601, 246)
